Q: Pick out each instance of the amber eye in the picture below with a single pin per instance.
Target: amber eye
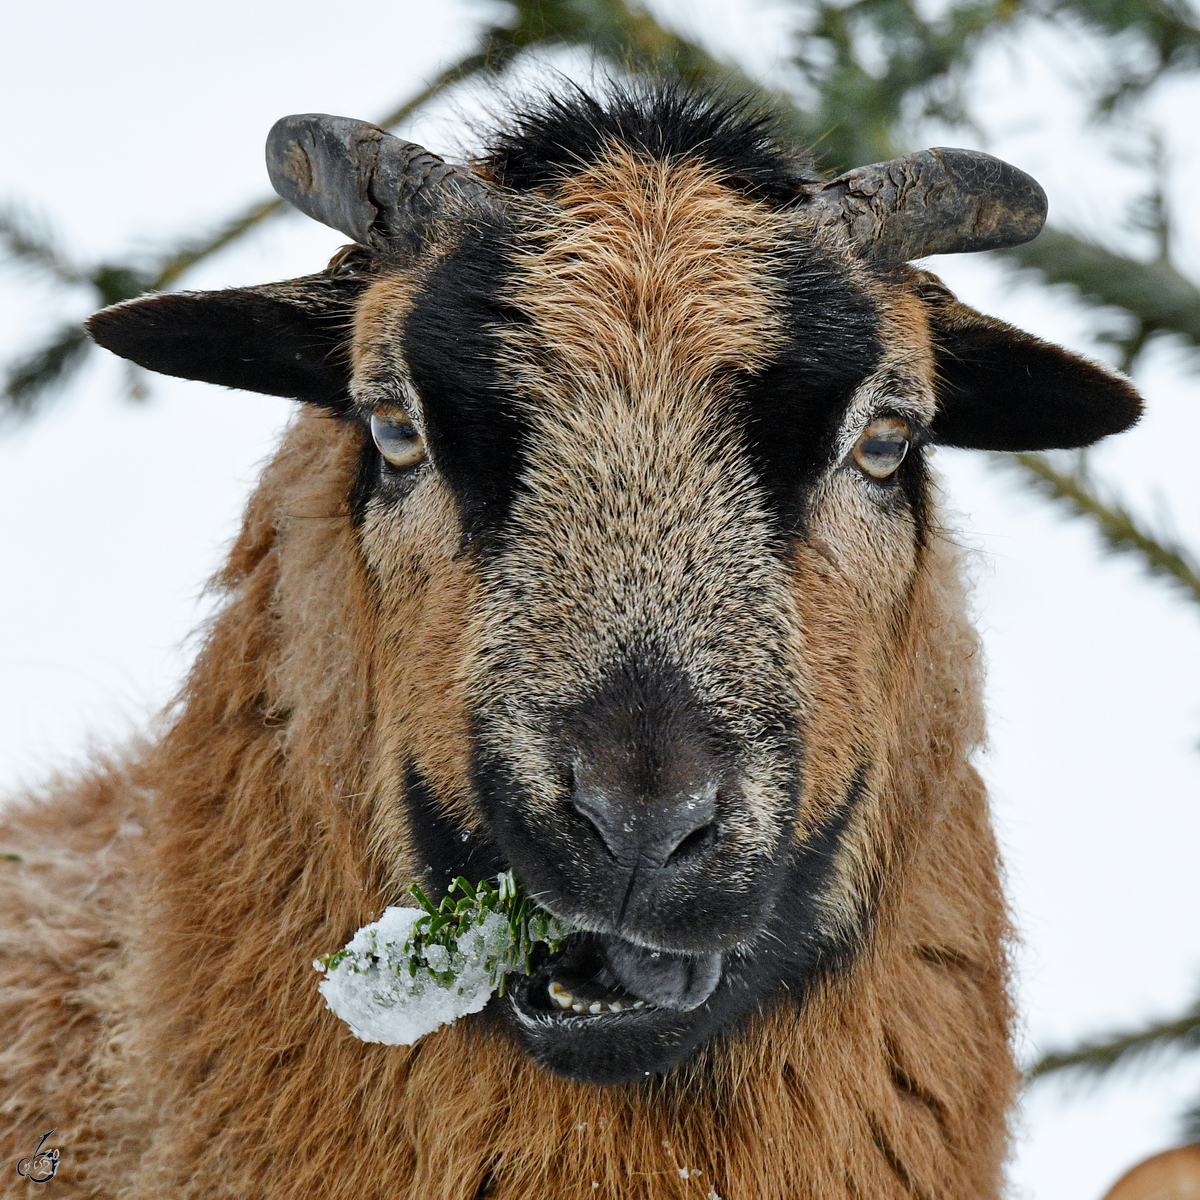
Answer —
(882, 447)
(397, 437)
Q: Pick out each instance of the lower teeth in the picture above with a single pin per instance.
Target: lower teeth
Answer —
(567, 1002)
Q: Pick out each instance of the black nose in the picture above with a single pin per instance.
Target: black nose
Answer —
(650, 783)
(648, 829)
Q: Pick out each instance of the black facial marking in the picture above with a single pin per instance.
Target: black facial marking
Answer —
(811, 863)
(794, 405)
(912, 481)
(791, 408)
(664, 121)
(451, 347)
(444, 849)
(366, 477)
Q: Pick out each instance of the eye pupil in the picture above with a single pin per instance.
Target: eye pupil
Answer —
(882, 447)
(397, 438)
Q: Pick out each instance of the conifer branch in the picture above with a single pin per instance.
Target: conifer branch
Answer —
(857, 107)
(1167, 31)
(444, 925)
(30, 377)
(1120, 530)
(50, 365)
(1098, 1057)
(401, 977)
(27, 243)
(855, 111)
(1156, 296)
(1190, 1123)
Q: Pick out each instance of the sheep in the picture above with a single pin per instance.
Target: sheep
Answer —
(1169, 1173)
(603, 548)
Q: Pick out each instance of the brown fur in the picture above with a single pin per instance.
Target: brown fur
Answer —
(161, 1008)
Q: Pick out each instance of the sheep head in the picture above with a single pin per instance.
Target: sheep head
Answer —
(642, 495)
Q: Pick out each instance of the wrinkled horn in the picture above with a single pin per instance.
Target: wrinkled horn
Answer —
(938, 201)
(359, 179)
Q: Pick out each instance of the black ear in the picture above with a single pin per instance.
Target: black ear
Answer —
(285, 339)
(999, 388)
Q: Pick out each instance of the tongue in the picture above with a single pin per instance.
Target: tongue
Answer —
(678, 981)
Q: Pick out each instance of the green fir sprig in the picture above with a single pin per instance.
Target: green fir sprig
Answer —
(433, 944)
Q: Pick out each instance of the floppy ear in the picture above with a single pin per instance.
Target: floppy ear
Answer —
(999, 388)
(285, 339)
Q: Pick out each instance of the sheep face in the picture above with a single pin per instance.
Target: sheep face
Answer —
(683, 585)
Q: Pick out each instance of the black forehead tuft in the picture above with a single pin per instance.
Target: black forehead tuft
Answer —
(665, 120)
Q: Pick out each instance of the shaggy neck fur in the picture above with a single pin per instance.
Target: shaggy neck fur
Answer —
(261, 807)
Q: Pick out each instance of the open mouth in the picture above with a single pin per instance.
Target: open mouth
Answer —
(597, 975)
(580, 979)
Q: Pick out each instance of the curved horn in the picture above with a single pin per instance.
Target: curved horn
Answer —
(938, 201)
(358, 178)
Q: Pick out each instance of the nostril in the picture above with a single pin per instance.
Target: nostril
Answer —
(694, 843)
(597, 814)
(654, 834)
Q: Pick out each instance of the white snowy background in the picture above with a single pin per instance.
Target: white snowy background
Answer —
(131, 122)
